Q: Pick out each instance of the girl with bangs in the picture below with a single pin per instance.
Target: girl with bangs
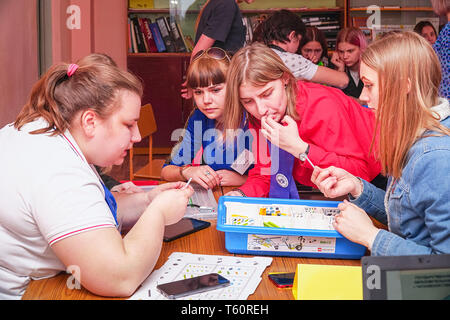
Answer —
(401, 75)
(221, 164)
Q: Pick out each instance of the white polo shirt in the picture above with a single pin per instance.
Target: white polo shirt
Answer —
(47, 192)
(300, 67)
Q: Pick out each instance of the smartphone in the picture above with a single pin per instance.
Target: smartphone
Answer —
(282, 279)
(185, 287)
(183, 227)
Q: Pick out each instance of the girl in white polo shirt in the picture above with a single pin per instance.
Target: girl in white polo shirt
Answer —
(55, 212)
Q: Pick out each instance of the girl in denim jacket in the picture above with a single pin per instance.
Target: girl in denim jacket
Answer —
(401, 75)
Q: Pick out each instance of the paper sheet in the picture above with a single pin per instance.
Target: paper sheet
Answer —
(205, 199)
(206, 204)
(243, 273)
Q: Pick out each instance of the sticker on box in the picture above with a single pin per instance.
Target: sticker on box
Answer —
(291, 243)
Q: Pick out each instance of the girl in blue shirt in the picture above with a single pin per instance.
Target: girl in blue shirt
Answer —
(222, 163)
(414, 150)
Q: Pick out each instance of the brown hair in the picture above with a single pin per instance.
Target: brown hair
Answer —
(409, 74)
(256, 64)
(314, 34)
(57, 98)
(205, 71)
(422, 24)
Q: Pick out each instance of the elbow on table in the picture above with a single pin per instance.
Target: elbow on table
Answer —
(120, 288)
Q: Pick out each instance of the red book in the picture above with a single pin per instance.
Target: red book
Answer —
(148, 35)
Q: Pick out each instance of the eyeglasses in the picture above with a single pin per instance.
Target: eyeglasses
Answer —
(213, 52)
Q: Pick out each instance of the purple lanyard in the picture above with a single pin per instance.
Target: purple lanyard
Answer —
(282, 184)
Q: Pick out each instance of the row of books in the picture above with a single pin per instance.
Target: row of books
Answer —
(162, 35)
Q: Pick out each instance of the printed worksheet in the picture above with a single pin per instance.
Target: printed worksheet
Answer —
(243, 273)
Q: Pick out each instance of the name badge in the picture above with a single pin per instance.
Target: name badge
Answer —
(243, 161)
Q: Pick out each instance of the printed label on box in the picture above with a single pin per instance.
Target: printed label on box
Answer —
(291, 243)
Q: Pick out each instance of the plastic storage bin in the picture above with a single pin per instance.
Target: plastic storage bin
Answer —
(273, 240)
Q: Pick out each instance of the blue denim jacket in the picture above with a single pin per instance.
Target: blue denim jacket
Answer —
(418, 215)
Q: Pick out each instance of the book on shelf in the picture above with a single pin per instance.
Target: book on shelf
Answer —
(331, 27)
(130, 40)
(138, 39)
(177, 37)
(145, 27)
(359, 22)
(319, 18)
(164, 28)
(141, 4)
(248, 29)
(187, 40)
(157, 37)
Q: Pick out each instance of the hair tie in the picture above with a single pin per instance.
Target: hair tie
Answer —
(71, 70)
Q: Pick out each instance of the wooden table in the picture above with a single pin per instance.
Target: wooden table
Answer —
(207, 241)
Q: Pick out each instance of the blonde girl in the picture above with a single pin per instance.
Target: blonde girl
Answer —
(401, 75)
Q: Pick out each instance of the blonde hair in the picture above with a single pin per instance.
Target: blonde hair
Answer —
(57, 97)
(258, 65)
(409, 74)
(441, 7)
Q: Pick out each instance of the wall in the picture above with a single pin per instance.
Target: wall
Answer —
(110, 25)
(18, 55)
(102, 28)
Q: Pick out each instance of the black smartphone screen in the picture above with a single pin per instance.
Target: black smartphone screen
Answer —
(282, 279)
(185, 287)
(183, 227)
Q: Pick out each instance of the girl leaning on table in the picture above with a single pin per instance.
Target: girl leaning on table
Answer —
(222, 164)
(295, 119)
(401, 75)
(54, 210)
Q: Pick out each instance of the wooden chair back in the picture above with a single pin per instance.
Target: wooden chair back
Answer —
(147, 127)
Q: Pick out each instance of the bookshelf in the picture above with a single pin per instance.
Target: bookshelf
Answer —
(164, 72)
(390, 16)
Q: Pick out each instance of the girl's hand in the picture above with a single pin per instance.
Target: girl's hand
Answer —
(203, 175)
(284, 135)
(172, 203)
(336, 60)
(185, 92)
(233, 193)
(354, 224)
(127, 187)
(335, 182)
(230, 178)
(163, 187)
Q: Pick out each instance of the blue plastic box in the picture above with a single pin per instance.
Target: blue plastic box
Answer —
(275, 241)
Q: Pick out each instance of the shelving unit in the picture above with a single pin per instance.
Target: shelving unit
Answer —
(163, 73)
(394, 15)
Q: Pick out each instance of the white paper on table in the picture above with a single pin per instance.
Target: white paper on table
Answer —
(243, 273)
